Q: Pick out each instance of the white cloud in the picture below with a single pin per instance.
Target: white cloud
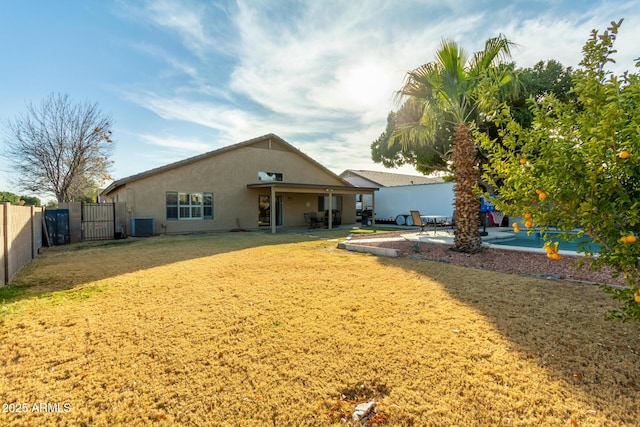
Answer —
(338, 65)
(187, 22)
(323, 75)
(549, 35)
(178, 144)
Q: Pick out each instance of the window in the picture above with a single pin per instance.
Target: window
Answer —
(189, 205)
(323, 203)
(172, 205)
(270, 176)
(207, 205)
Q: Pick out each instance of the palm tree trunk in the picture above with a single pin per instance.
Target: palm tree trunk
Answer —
(467, 203)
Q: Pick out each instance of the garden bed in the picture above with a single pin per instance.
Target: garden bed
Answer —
(524, 263)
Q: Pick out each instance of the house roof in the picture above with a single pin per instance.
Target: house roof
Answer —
(120, 182)
(387, 179)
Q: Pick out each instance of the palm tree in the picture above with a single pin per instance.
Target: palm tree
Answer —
(452, 92)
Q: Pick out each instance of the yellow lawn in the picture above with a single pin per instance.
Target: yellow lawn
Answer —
(281, 330)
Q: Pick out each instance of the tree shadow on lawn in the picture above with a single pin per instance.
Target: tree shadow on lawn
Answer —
(69, 267)
(560, 325)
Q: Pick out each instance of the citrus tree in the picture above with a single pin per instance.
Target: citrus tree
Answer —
(578, 166)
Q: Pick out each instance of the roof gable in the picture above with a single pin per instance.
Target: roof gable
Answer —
(269, 141)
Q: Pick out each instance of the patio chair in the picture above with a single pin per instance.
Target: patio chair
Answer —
(418, 221)
(450, 224)
(336, 217)
(311, 218)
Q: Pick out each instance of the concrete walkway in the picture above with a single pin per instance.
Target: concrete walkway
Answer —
(438, 236)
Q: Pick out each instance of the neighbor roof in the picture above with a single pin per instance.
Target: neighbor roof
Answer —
(119, 183)
(387, 179)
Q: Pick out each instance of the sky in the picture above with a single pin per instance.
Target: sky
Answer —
(180, 78)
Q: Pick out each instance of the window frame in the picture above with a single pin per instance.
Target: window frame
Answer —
(189, 206)
(270, 176)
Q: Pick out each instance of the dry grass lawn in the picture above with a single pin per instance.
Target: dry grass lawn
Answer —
(262, 330)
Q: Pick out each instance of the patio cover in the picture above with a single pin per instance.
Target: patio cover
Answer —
(329, 190)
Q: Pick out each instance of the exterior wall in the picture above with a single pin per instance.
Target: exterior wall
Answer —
(348, 209)
(121, 218)
(21, 233)
(226, 175)
(429, 199)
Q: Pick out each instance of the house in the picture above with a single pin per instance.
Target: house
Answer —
(399, 194)
(264, 182)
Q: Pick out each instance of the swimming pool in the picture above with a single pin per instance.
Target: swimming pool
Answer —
(535, 240)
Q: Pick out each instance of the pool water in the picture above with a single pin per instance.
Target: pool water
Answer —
(535, 240)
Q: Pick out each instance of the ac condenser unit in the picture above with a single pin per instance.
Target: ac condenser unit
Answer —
(142, 227)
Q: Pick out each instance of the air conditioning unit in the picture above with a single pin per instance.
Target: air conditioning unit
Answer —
(142, 227)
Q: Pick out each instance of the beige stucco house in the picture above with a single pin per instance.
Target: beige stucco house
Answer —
(264, 182)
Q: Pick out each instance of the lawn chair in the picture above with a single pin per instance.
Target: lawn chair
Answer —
(418, 221)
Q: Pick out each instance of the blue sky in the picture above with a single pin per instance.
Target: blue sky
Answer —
(181, 78)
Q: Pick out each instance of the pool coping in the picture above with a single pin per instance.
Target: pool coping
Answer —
(487, 242)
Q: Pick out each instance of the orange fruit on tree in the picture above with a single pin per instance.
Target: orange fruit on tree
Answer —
(630, 239)
(527, 216)
(523, 161)
(528, 224)
(624, 155)
(542, 195)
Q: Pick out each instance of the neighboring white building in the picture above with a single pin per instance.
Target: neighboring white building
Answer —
(399, 194)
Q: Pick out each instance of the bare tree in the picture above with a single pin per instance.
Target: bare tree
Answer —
(60, 147)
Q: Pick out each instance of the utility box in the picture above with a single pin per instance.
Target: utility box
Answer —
(142, 227)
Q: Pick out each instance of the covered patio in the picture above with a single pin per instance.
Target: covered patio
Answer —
(279, 188)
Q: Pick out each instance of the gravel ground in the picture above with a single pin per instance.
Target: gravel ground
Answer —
(507, 261)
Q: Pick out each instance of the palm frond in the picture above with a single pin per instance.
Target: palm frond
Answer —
(496, 51)
(417, 122)
(419, 83)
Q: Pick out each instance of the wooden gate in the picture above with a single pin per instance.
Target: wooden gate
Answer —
(98, 221)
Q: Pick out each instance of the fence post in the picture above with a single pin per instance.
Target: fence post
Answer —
(5, 242)
(33, 233)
